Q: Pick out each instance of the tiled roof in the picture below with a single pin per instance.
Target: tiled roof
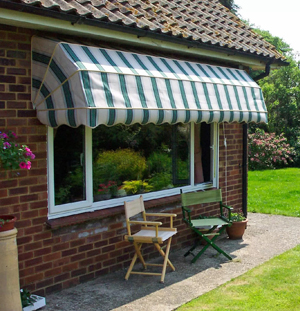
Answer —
(202, 21)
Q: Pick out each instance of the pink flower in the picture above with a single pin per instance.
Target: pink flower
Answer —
(23, 165)
(28, 165)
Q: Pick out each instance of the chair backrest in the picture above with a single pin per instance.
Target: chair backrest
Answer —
(134, 207)
(193, 198)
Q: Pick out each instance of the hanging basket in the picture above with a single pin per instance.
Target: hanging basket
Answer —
(9, 222)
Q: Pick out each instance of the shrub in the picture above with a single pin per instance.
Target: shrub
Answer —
(118, 165)
(136, 186)
(268, 151)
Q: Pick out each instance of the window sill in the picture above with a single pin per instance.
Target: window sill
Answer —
(108, 212)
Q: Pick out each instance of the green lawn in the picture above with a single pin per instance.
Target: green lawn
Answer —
(274, 192)
(273, 285)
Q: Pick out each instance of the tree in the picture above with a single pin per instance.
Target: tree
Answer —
(229, 4)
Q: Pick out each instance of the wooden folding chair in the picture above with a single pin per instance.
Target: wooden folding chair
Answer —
(150, 232)
(207, 228)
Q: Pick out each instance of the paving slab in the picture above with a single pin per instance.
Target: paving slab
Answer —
(266, 236)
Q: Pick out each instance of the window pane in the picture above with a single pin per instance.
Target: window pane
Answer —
(135, 159)
(202, 143)
(69, 165)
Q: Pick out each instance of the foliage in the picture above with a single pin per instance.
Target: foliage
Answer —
(12, 155)
(62, 194)
(159, 162)
(239, 216)
(277, 42)
(110, 187)
(119, 165)
(229, 4)
(274, 192)
(136, 186)
(26, 298)
(161, 181)
(268, 151)
(3, 221)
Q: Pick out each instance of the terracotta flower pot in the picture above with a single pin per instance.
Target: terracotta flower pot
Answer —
(237, 229)
(9, 223)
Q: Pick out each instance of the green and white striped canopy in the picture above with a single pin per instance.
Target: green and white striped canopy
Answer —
(77, 85)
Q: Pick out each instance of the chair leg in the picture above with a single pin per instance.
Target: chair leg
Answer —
(211, 243)
(137, 247)
(164, 255)
(136, 255)
(131, 266)
(166, 260)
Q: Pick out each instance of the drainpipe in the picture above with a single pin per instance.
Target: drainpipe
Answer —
(245, 151)
(245, 170)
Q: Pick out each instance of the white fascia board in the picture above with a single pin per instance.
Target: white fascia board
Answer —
(33, 21)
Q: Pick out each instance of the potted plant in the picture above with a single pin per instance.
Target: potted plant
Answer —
(31, 302)
(7, 222)
(238, 226)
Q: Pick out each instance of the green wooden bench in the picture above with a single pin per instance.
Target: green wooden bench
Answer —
(207, 228)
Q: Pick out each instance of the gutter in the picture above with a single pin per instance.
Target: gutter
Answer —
(245, 150)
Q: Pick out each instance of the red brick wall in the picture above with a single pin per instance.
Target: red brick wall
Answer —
(61, 256)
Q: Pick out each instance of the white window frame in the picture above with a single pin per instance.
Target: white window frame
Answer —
(57, 211)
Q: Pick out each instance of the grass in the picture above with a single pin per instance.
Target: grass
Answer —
(273, 285)
(274, 192)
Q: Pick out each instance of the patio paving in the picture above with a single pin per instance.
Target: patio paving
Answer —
(266, 236)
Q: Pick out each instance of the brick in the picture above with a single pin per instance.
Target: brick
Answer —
(33, 262)
(42, 236)
(53, 272)
(62, 277)
(42, 251)
(34, 278)
(44, 283)
(26, 113)
(60, 247)
(26, 272)
(85, 248)
(16, 71)
(34, 229)
(16, 54)
(69, 252)
(7, 62)
(7, 79)
(70, 267)
(78, 257)
(43, 267)
(78, 272)
(86, 277)
(16, 105)
(52, 257)
(33, 246)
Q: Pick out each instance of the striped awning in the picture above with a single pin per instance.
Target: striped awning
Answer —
(77, 85)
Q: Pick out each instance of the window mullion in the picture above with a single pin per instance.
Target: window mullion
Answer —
(192, 155)
(88, 165)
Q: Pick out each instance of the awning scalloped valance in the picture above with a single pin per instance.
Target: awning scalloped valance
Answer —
(77, 85)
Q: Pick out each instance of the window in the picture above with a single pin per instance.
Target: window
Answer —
(91, 169)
